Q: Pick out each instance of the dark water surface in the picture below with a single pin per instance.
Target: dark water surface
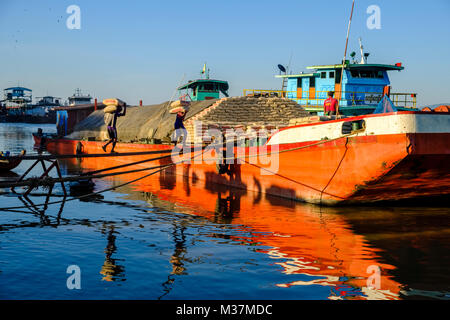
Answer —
(166, 239)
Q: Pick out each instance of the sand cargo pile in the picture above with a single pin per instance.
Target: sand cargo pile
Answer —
(142, 124)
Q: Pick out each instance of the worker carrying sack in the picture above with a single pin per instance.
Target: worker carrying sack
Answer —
(112, 105)
(177, 109)
(179, 106)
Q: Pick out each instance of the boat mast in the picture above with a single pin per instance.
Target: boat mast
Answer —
(363, 60)
(345, 56)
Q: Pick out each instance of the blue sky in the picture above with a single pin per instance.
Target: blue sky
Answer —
(142, 49)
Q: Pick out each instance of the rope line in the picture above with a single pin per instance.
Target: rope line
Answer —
(296, 148)
(93, 155)
(159, 169)
(48, 181)
(98, 192)
(124, 165)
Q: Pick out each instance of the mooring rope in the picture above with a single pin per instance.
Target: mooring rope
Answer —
(163, 167)
(123, 165)
(85, 155)
(49, 181)
(84, 196)
(101, 191)
(294, 149)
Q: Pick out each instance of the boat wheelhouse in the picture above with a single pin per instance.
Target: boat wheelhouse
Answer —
(362, 88)
(205, 89)
(44, 107)
(48, 101)
(78, 98)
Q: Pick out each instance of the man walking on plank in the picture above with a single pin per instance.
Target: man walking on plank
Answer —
(110, 119)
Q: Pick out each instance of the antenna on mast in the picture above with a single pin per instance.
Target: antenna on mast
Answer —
(362, 51)
(205, 71)
(364, 55)
(345, 56)
(288, 69)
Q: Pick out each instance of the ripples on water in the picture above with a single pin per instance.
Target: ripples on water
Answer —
(174, 239)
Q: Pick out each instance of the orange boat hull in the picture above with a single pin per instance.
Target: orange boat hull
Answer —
(354, 169)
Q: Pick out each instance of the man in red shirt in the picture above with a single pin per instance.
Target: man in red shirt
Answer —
(330, 105)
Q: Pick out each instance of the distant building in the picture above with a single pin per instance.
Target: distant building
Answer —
(17, 97)
(18, 107)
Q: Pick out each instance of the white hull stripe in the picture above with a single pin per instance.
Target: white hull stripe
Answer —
(379, 125)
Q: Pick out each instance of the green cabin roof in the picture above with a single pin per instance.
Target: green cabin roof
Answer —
(386, 67)
(223, 85)
(302, 75)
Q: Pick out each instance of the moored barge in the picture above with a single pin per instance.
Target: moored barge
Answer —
(363, 159)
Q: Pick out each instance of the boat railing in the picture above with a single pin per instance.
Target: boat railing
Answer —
(348, 98)
(404, 99)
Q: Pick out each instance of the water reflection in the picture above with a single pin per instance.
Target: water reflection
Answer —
(414, 240)
(40, 209)
(178, 258)
(227, 205)
(15, 137)
(336, 247)
(111, 269)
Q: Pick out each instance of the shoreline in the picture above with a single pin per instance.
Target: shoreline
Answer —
(28, 119)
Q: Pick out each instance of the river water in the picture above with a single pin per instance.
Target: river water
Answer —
(165, 239)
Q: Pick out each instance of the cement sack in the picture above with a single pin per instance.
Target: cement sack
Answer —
(113, 102)
(110, 109)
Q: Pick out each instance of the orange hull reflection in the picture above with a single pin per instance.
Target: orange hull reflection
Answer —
(304, 240)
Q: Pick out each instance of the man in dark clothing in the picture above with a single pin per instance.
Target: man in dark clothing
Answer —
(180, 130)
(110, 122)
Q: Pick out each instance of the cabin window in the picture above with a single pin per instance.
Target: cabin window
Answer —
(338, 76)
(299, 82)
(332, 75)
(367, 74)
(323, 75)
(312, 82)
(355, 73)
(207, 87)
